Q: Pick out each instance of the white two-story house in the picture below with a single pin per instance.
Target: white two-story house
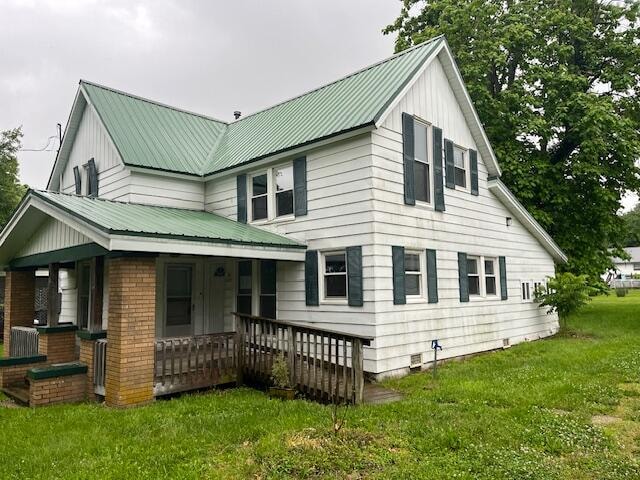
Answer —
(371, 206)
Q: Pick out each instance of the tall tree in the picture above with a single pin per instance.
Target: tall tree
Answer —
(555, 83)
(11, 191)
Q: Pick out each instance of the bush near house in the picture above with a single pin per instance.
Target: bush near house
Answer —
(566, 407)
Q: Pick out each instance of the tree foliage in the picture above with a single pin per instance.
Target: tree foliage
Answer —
(565, 294)
(555, 85)
(11, 191)
(632, 227)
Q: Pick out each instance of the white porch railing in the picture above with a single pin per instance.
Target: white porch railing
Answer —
(23, 342)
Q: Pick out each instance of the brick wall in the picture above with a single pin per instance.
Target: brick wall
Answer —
(131, 332)
(86, 357)
(59, 347)
(50, 391)
(15, 373)
(19, 298)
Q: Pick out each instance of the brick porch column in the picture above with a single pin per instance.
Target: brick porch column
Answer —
(131, 331)
(87, 353)
(19, 300)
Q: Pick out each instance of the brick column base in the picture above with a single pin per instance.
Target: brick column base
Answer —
(19, 299)
(58, 343)
(131, 332)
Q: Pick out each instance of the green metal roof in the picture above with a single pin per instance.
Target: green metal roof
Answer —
(154, 221)
(151, 135)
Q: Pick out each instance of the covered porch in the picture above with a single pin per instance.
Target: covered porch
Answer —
(148, 301)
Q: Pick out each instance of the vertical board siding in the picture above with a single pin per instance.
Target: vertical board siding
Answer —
(472, 224)
(52, 235)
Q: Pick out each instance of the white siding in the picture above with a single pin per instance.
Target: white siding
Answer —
(167, 191)
(52, 235)
(475, 225)
(92, 141)
(340, 195)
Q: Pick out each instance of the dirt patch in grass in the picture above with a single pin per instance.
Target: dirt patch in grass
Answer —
(574, 334)
(604, 420)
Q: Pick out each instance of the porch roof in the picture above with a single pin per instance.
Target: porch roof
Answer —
(116, 226)
(115, 217)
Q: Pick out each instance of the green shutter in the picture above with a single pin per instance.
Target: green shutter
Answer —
(300, 186)
(311, 278)
(242, 198)
(399, 295)
(408, 150)
(78, 179)
(473, 161)
(432, 276)
(93, 178)
(503, 277)
(463, 279)
(438, 177)
(450, 170)
(354, 275)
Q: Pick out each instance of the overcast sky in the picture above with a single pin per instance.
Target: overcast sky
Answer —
(209, 57)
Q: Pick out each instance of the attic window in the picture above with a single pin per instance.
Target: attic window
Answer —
(459, 161)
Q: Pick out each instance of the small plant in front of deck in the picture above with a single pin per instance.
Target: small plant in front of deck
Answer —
(337, 420)
(621, 292)
(565, 294)
(281, 380)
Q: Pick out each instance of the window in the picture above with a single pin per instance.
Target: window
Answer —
(460, 175)
(335, 275)
(421, 173)
(245, 287)
(284, 190)
(490, 276)
(473, 274)
(178, 307)
(84, 294)
(526, 291)
(259, 197)
(412, 274)
(636, 266)
(481, 272)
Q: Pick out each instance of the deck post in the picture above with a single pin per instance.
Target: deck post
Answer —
(291, 355)
(52, 295)
(19, 300)
(131, 332)
(240, 349)
(357, 363)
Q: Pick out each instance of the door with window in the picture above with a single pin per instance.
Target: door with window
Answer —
(180, 306)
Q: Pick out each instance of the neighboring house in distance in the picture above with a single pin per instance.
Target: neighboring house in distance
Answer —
(626, 269)
(371, 206)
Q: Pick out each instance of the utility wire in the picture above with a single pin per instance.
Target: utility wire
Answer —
(43, 149)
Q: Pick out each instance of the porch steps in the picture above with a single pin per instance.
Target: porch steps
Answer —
(375, 394)
(19, 392)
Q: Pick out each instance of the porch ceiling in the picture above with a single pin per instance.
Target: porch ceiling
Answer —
(117, 226)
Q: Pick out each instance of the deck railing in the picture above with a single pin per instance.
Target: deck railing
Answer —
(99, 366)
(324, 364)
(189, 363)
(23, 342)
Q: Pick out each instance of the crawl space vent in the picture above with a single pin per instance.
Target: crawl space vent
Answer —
(506, 343)
(416, 360)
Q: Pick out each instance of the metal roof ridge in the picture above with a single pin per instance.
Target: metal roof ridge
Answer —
(364, 69)
(153, 102)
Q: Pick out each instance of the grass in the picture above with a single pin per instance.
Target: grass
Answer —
(525, 413)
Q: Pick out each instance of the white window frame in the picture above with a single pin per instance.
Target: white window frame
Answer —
(323, 272)
(271, 195)
(422, 281)
(429, 161)
(467, 168)
(526, 291)
(274, 190)
(482, 276)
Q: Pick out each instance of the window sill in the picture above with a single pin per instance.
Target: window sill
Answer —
(271, 221)
(337, 301)
(425, 205)
(480, 298)
(416, 299)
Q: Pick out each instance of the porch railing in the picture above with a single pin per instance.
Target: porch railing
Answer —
(99, 366)
(23, 342)
(188, 363)
(324, 364)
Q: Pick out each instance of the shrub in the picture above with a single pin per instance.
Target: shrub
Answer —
(280, 372)
(565, 294)
(621, 292)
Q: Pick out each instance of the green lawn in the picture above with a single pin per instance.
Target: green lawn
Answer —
(524, 413)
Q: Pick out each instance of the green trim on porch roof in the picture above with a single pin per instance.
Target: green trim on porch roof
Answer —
(63, 255)
(118, 218)
(155, 136)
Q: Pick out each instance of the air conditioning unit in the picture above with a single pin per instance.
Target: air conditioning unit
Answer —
(415, 360)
